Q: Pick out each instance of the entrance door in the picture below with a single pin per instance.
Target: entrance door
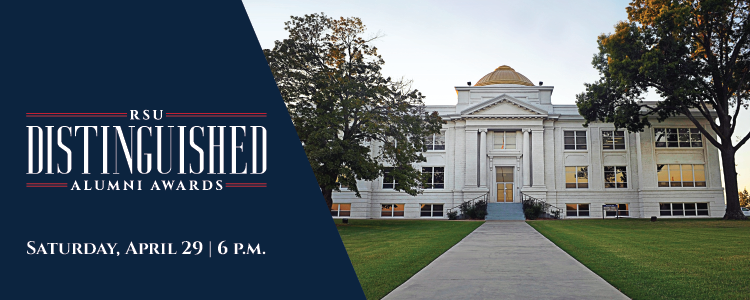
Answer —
(504, 183)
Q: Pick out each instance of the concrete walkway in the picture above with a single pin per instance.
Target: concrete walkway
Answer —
(505, 260)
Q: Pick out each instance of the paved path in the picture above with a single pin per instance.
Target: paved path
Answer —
(505, 260)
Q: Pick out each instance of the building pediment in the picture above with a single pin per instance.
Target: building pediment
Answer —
(504, 106)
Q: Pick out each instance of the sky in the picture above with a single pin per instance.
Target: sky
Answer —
(443, 44)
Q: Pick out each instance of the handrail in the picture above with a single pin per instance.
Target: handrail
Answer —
(484, 197)
(549, 209)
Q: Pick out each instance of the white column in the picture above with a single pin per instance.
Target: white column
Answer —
(483, 157)
(538, 156)
(450, 147)
(471, 158)
(526, 159)
(459, 164)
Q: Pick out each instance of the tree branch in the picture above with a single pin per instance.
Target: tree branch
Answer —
(707, 114)
(737, 49)
(742, 142)
(705, 132)
(733, 126)
(715, 72)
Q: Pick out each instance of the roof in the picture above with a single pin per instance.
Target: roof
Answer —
(504, 75)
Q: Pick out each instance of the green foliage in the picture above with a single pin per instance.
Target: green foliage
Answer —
(744, 198)
(532, 210)
(452, 215)
(386, 253)
(668, 259)
(695, 55)
(329, 76)
(476, 210)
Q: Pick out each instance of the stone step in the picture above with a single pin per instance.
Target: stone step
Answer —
(505, 211)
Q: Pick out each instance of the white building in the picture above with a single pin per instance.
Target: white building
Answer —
(505, 138)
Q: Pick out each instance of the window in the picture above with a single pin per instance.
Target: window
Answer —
(433, 177)
(613, 140)
(341, 209)
(678, 138)
(392, 210)
(683, 209)
(615, 177)
(577, 210)
(389, 182)
(575, 140)
(681, 175)
(435, 142)
(622, 208)
(431, 210)
(577, 177)
(505, 140)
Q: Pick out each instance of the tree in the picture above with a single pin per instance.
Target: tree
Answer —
(744, 198)
(695, 55)
(330, 78)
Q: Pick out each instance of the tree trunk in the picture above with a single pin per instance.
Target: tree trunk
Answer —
(328, 195)
(730, 185)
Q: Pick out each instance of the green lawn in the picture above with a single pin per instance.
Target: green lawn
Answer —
(667, 259)
(385, 253)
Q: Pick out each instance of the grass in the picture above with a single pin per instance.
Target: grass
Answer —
(667, 259)
(385, 253)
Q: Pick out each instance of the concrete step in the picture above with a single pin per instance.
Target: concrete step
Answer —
(505, 211)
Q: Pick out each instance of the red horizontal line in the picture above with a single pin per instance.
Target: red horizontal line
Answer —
(216, 113)
(76, 113)
(75, 116)
(246, 186)
(57, 186)
(215, 116)
(46, 183)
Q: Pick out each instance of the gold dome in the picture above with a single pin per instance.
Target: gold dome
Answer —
(504, 75)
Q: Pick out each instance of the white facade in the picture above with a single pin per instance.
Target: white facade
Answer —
(497, 129)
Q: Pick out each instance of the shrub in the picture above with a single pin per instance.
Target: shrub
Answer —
(480, 210)
(474, 210)
(532, 210)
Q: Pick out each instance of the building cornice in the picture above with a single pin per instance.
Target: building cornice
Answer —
(503, 116)
(493, 117)
(504, 98)
(505, 88)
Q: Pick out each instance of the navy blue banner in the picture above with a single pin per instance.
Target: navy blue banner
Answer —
(147, 153)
